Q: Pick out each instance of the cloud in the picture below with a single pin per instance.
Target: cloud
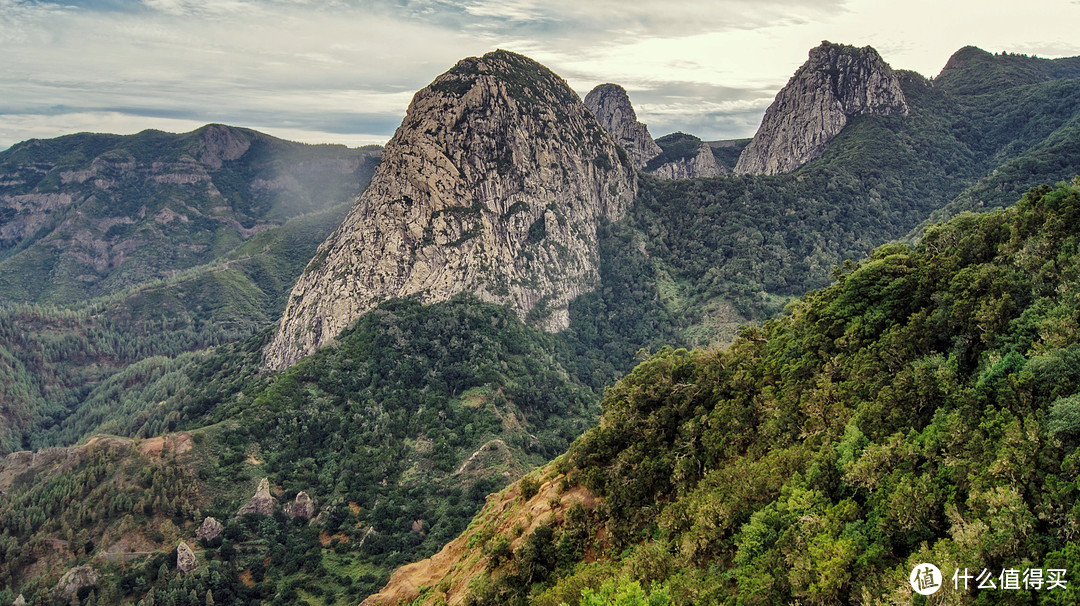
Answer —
(165, 59)
(349, 67)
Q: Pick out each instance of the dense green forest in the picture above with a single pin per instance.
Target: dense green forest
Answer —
(921, 408)
(399, 470)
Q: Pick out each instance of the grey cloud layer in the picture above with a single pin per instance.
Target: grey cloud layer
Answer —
(316, 68)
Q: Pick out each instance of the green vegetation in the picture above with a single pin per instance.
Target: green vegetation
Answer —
(919, 409)
(727, 152)
(92, 215)
(676, 146)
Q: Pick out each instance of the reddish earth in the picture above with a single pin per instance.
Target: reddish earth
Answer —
(177, 443)
(456, 564)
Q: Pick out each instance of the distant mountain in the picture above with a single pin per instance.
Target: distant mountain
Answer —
(684, 157)
(123, 253)
(973, 71)
(89, 215)
(1019, 115)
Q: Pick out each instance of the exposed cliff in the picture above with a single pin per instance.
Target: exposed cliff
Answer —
(611, 106)
(684, 157)
(493, 184)
(675, 156)
(836, 83)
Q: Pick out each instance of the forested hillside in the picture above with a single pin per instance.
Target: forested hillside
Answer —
(71, 364)
(922, 408)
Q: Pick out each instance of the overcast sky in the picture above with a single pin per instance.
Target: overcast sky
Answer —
(343, 71)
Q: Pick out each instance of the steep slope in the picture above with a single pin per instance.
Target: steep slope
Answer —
(836, 84)
(494, 184)
(89, 215)
(611, 106)
(922, 408)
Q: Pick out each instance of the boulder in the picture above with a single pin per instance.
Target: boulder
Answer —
(210, 529)
(185, 558)
(302, 506)
(74, 580)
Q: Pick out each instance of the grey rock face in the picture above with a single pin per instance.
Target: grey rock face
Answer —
(701, 164)
(685, 157)
(302, 506)
(835, 84)
(185, 558)
(611, 106)
(19, 601)
(262, 503)
(210, 529)
(494, 184)
(74, 580)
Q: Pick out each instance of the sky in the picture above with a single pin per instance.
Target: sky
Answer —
(344, 71)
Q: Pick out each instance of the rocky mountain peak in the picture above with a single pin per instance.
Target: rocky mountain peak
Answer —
(837, 83)
(611, 106)
(219, 143)
(494, 184)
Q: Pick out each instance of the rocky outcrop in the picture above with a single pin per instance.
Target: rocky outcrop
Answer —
(74, 580)
(835, 84)
(210, 529)
(262, 503)
(301, 507)
(494, 184)
(19, 601)
(611, 106)
(185, 558)
(684, 157)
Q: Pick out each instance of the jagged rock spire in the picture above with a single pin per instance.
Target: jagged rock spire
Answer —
(835, 84)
